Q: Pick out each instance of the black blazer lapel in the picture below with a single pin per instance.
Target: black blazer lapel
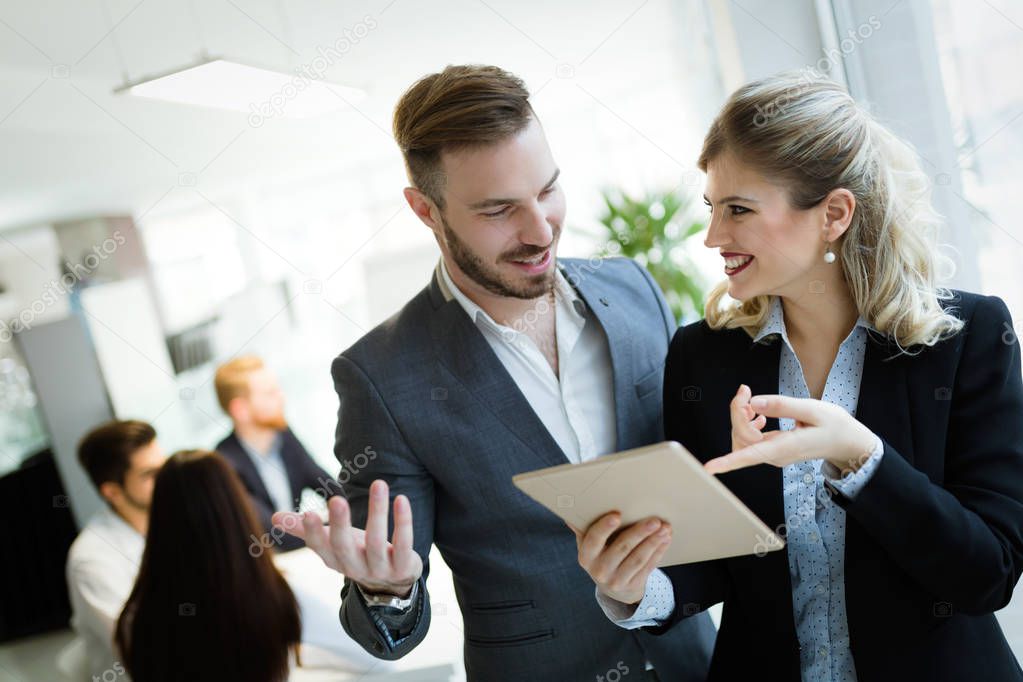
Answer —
(293, 455)
(247, 471)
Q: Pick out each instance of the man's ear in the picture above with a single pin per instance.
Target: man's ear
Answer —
(237, 410)
(109, 491)
(839, 206)
(423, 207)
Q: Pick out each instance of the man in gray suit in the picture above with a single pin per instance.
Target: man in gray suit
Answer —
(509, 360)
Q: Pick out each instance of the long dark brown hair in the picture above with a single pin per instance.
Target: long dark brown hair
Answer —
(205, 607)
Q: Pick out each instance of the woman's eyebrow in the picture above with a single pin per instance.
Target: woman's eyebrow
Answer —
(733, 197)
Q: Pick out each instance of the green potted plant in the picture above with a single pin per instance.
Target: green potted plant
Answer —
(654, 230)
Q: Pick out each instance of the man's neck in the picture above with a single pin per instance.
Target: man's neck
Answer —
(259, 438)
(134, 517)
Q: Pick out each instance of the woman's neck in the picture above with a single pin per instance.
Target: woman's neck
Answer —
(826, 317)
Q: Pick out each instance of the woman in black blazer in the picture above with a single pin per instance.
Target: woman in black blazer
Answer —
(872, 417)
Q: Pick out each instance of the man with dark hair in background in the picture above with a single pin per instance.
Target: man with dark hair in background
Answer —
(121, 459)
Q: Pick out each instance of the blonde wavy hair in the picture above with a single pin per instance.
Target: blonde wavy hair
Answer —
(811, 137)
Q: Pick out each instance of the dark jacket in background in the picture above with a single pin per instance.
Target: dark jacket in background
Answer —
(302, 472)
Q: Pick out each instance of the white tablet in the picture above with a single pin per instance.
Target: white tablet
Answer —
(664, 480)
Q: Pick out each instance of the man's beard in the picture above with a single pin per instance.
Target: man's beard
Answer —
(493, 281)
(276, 422)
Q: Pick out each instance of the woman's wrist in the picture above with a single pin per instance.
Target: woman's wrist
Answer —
(857, 452)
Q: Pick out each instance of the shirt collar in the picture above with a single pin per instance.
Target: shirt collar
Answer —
(563, 291)
(275, 448)
(775, 323)
(111, 519)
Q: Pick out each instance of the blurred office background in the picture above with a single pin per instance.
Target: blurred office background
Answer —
(143, 241)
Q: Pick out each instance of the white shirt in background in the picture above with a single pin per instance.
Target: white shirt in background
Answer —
(101, 568)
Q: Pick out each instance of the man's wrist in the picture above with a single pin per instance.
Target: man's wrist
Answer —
(394, 598)
(399, 591)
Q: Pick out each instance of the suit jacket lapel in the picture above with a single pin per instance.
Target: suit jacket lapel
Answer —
(461, 348)
(608, 311)
(292, 465)
(248, 472)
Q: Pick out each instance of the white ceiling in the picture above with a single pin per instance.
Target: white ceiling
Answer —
(69, 147)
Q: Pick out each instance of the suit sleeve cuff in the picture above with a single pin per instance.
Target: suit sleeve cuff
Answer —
(851, 483)
(395, 626)
(657, 605)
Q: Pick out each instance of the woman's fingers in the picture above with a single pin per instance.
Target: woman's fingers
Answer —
(739, 404)
(746, 424)
(779, 449)
(805, 410)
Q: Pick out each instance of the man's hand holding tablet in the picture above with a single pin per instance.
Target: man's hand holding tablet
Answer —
(620, 561)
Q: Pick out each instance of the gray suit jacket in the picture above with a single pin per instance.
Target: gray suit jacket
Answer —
(431, 410)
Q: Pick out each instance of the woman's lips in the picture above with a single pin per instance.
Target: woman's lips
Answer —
(736, 262)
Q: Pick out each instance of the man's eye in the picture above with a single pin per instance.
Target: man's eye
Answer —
(497, 214)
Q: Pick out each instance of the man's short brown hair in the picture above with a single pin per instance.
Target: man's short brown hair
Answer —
(232, 378)
(459, 108)
(105, 452)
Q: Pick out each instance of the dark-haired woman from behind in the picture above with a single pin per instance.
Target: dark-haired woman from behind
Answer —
(203, 608)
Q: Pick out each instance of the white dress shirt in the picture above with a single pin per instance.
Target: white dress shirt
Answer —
(576, 406)
(101, 568)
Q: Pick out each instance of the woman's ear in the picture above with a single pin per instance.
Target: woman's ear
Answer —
(839, 206)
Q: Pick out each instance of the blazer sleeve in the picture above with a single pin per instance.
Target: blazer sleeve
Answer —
(369, 445)
(961, 540)
(696, 586)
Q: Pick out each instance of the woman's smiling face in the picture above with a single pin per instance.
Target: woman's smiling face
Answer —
(768, 246)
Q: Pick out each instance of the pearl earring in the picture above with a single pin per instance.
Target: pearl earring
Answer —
(829, 255)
